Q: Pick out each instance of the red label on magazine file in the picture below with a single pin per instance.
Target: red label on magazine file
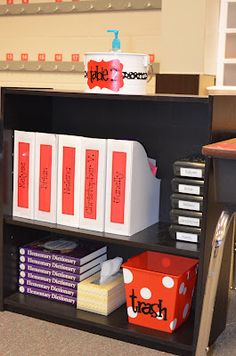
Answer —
(118, 187)
(91, 182)
(68, 180)
(45, 176)
(23, 174)
(105, 75)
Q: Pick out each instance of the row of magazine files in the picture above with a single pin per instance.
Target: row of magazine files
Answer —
(88, 183)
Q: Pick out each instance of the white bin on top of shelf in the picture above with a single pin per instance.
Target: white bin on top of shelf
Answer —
(132, 191)
(116, 72)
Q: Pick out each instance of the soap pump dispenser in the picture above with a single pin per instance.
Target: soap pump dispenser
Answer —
(116, 41)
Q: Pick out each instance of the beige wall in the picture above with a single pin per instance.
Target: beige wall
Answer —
(211, 36)
(176, 35)
(189, 36)
(182, 41)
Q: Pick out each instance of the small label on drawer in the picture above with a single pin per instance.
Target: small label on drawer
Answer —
(189, 189)
(191, 172)
(185, 220)
(186, 236)
(189, 205)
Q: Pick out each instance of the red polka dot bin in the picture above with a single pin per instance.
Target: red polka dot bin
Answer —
(159, 289)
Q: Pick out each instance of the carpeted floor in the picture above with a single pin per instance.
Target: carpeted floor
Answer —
(24, 336)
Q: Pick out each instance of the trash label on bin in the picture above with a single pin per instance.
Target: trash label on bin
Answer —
(155, 310)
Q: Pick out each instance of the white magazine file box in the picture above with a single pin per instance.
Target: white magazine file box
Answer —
(47, 181)
(68, 192)
(23, 182)
(92, 187)
(139, 196)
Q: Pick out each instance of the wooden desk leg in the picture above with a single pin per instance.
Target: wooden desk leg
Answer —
(212, 282)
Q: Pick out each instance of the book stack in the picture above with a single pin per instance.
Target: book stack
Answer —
(187, 199)
(52, 268)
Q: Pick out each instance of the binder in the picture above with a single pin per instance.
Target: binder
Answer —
(192, 167)
(185, 233)
(46, 177)
(133, 193)
(186, 217)
(23, 183)
(92, 187)
(69, 168)
(187, 202)
(188, 186)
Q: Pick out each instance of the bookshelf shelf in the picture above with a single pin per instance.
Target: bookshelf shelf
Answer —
(170, 128)
(155, 238)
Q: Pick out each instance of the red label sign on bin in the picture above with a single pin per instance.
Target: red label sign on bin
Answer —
(105, 75)
(45, 174)
(118, 187)
(91, 182)
(68, 180)
(23, 174)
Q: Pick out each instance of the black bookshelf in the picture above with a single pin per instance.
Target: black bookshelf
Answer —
(169, 127)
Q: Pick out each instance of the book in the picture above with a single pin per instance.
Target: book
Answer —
(69, 180)
(48, 279)
(132, 191)
(27, 268)
(70, 251)
(24, 169)
(48, 295)
(92, 187)
(47, 286)
(45, 177)
(66, 267)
